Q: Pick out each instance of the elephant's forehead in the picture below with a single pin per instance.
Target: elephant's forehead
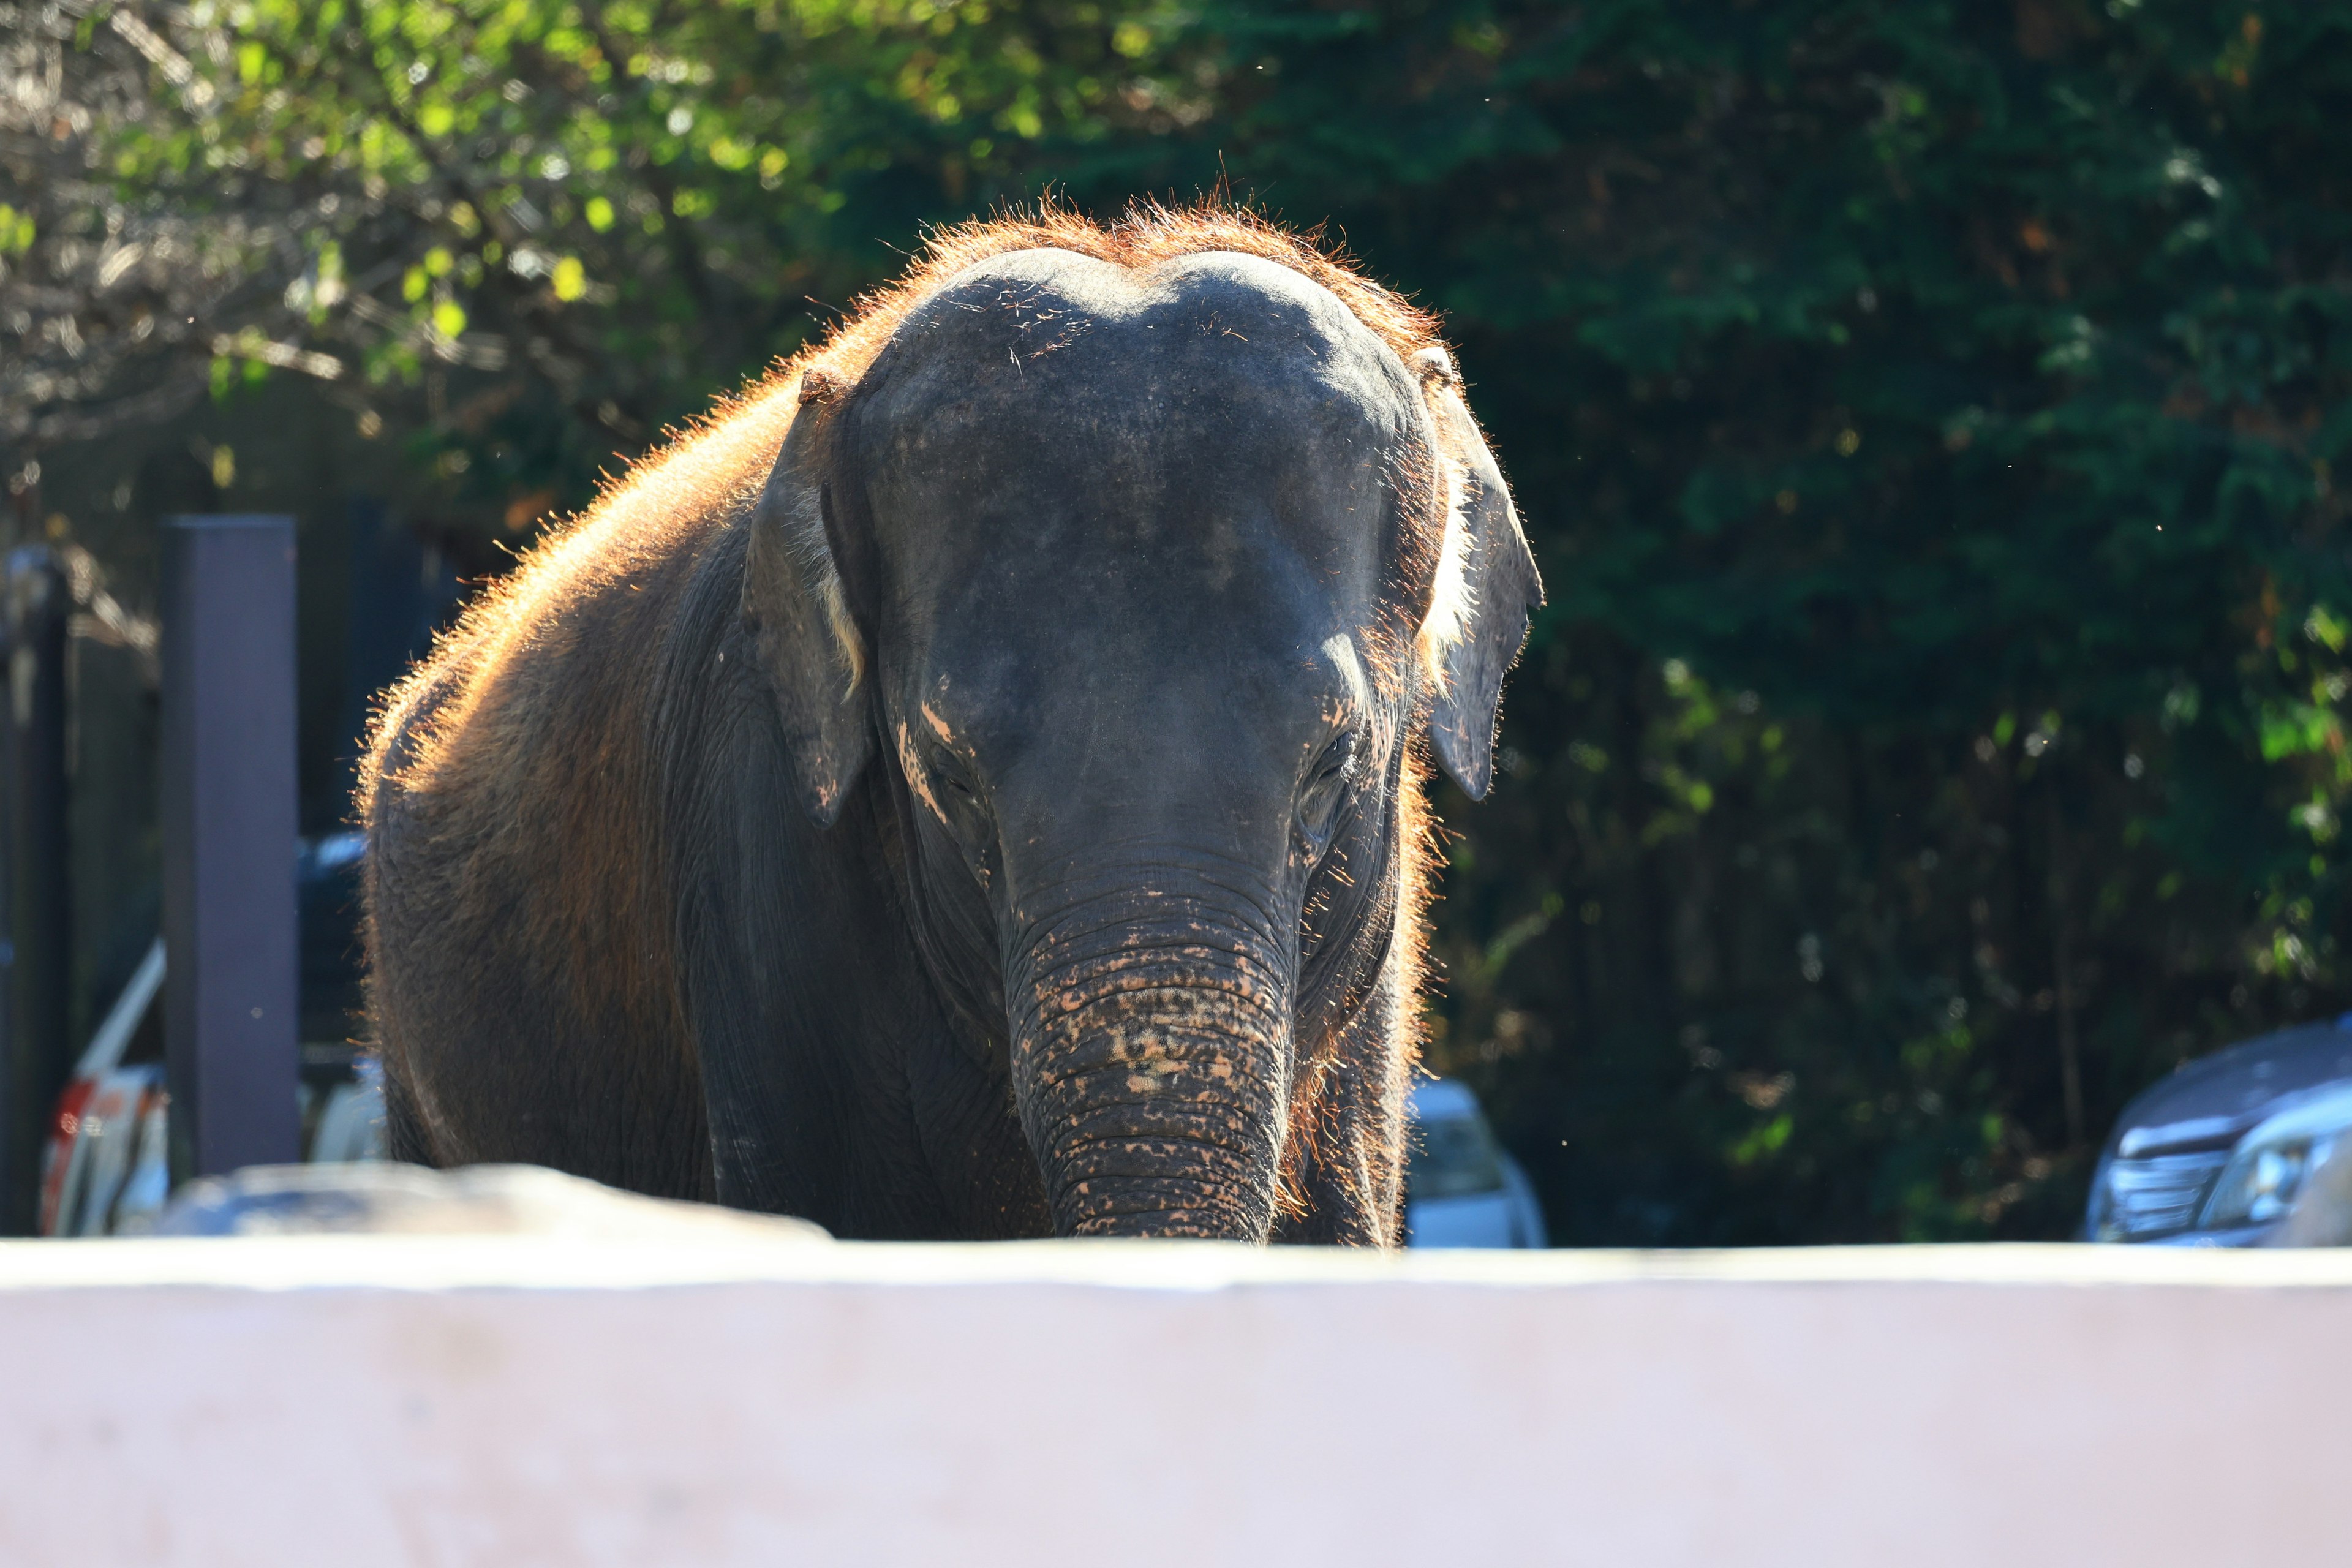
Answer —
(1212, 441)
(1038, 340)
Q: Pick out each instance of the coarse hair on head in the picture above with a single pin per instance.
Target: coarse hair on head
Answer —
(1147, 233)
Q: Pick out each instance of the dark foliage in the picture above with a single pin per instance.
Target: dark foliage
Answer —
(1924, 414)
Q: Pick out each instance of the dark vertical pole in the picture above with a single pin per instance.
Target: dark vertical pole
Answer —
(229, 826)
(38, 610)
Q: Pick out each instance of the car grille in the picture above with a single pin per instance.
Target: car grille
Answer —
(2159, 1195)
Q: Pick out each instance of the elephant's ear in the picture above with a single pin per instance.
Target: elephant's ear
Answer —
(809, 646)
(1486, 585)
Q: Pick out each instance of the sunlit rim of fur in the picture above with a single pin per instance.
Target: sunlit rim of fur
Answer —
(1451, 601)
(1147, 233)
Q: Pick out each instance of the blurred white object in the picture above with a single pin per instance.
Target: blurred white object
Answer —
(106, 1046)
(1461, 1188)
(104, 1148)
(107, 1169)
(350, 1125)
(149, 1186)
(65, 1154)
(387, 1199)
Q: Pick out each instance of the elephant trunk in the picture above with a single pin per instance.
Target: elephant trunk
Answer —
(1151, 1057)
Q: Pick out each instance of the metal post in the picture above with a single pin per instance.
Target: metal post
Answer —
(38, 916)
(229, 826)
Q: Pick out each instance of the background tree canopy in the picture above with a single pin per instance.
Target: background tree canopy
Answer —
(1925, 415)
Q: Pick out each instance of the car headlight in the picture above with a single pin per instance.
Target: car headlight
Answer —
(2271, 1164)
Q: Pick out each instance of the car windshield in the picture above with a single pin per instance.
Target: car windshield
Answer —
(1452, 1157)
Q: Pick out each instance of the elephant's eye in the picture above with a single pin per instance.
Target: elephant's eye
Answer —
(958, 802)
(949, 771)
(1326, 792)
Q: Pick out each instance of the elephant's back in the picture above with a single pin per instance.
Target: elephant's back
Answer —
(558, 650)
(522, 979)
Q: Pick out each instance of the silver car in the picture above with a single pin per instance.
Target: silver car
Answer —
(1461, 1188)
(2243, 1148)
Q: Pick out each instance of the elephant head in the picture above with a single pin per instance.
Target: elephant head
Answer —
(1143, 585)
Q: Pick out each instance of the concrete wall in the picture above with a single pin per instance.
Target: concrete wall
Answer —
(543, 1401)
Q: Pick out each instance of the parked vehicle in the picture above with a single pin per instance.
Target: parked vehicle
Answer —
(1461, 1188)
(106, 1170)
(107, 1162)
(2234, 1149)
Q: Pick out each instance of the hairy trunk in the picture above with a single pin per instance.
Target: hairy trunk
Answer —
(1151, 1056)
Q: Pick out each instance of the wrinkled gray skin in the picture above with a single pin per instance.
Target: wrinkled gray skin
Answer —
(1050, 909)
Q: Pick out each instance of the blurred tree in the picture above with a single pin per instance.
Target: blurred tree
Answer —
(518, 234)
(88, 281)
(1929, 418)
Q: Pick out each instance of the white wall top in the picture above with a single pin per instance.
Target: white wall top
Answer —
(563, 1401)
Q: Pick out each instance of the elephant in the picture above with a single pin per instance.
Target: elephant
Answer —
(973, 785)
